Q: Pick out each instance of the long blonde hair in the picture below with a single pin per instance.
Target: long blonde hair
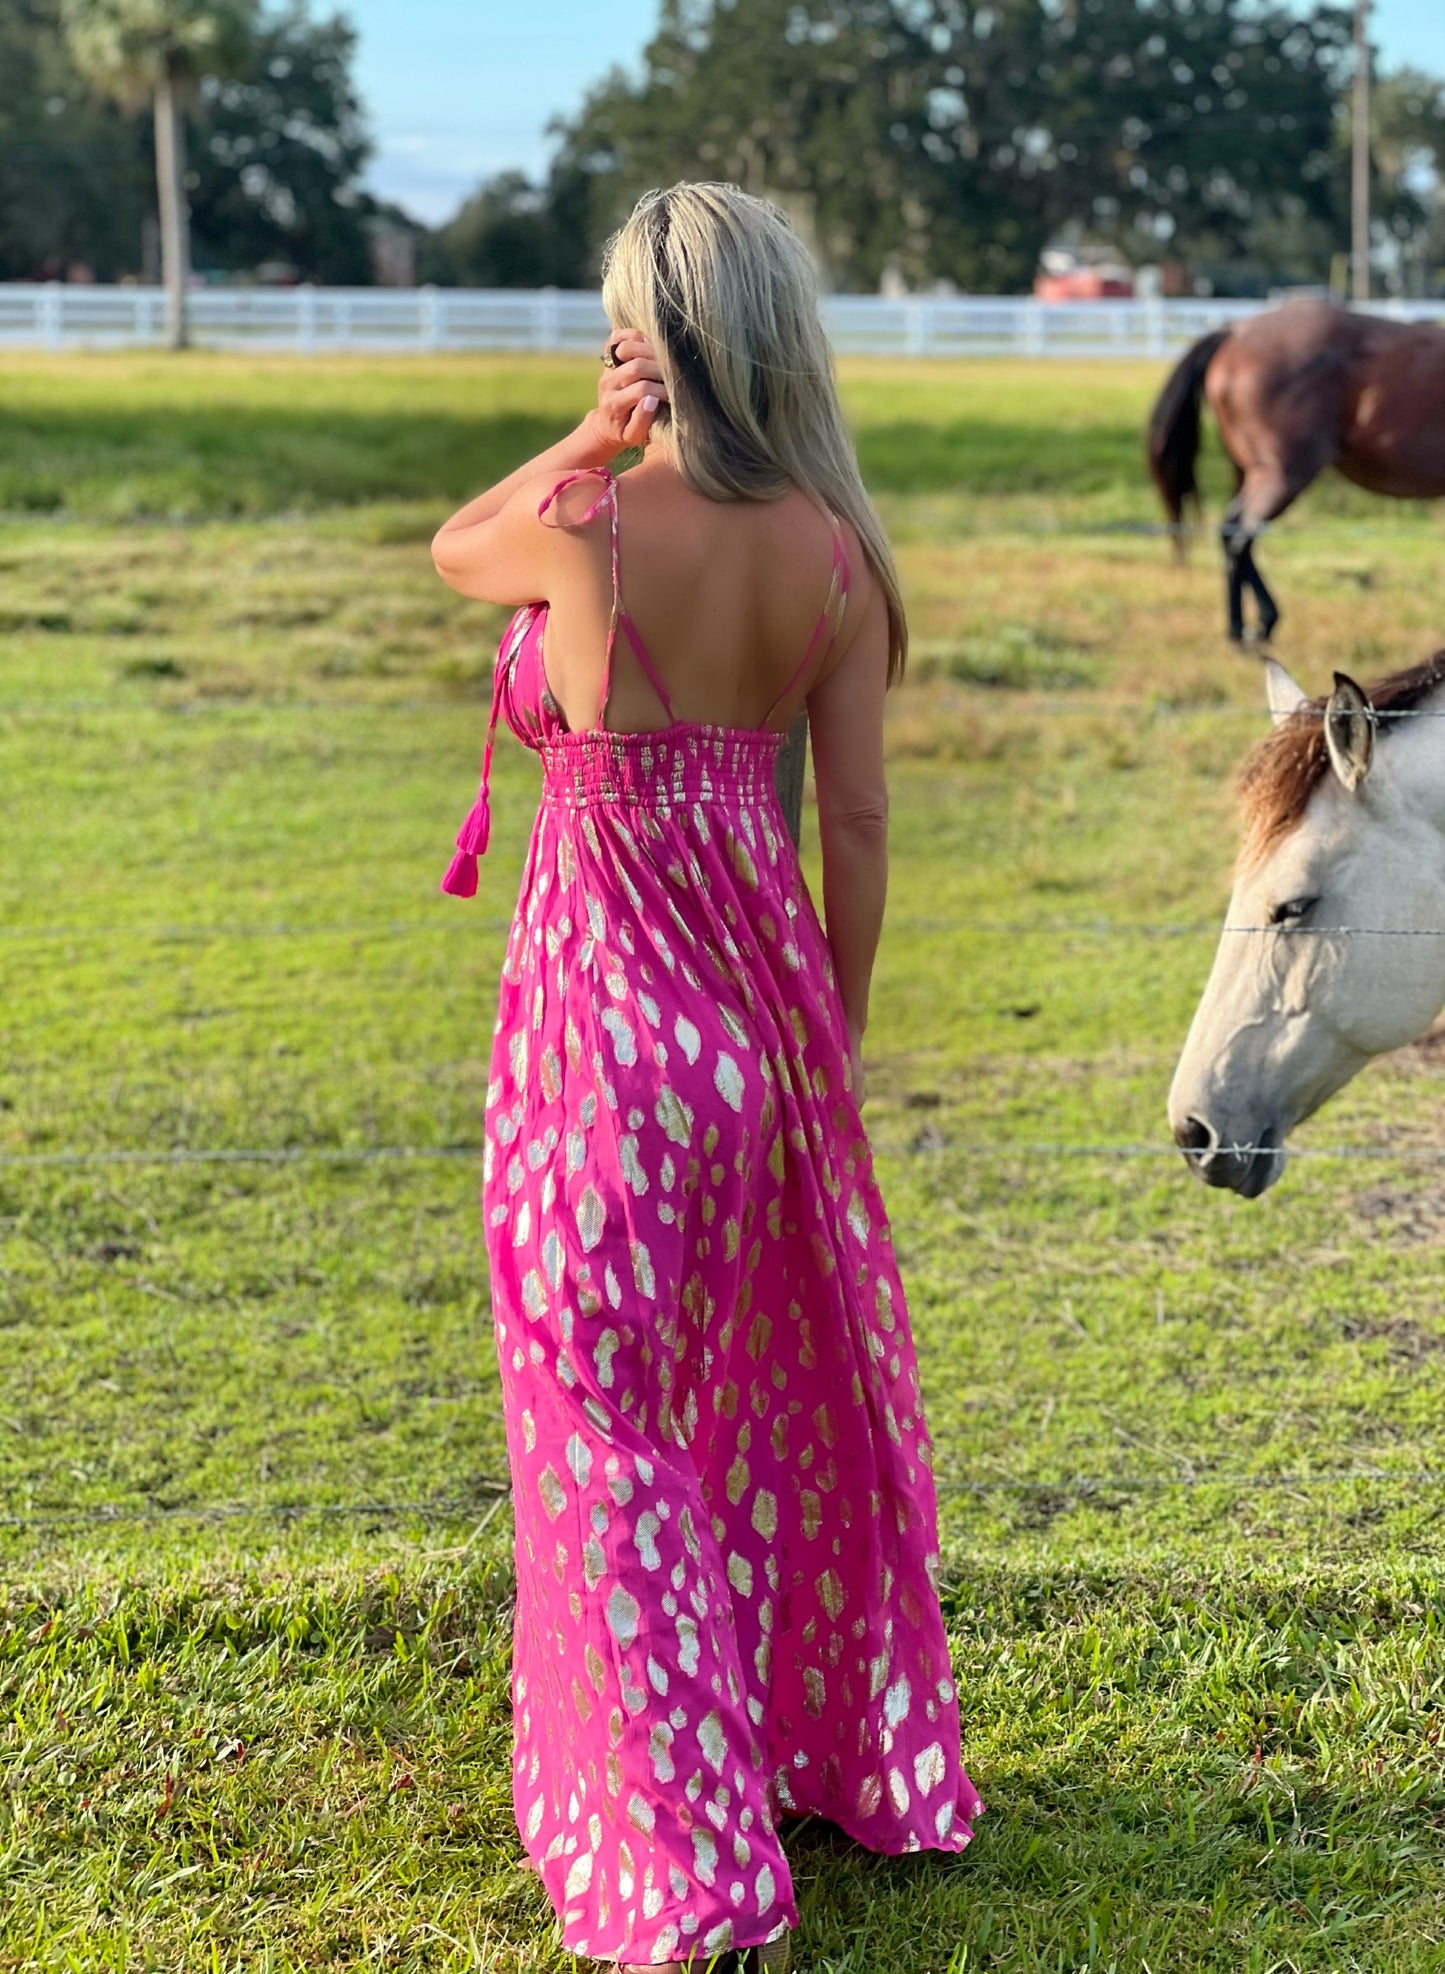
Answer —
(724, 289)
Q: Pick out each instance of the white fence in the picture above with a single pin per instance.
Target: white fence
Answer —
(57, 316)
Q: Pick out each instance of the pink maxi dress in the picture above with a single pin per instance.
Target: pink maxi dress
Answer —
(725, 1522)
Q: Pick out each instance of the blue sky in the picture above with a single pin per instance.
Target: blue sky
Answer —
(459, 89)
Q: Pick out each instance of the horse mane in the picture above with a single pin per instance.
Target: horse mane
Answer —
(1284, 770)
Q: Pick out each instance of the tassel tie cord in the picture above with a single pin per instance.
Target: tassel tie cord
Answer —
(475, 833)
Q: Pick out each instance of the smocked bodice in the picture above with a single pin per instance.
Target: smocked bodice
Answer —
(678, 766)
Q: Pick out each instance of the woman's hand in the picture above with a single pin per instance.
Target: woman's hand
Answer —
(492, 548)
(628, 396)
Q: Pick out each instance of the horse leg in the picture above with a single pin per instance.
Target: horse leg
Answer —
(1264, 494)
(1233, 570)
(1264, 601)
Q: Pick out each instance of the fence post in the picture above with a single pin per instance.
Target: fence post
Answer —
(548, 320)
(915, 327)
(429, 301)
(306, 319)
(52, 327)
(1031, 328)
(1154, 323)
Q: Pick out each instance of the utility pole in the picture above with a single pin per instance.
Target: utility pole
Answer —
(1360, 158)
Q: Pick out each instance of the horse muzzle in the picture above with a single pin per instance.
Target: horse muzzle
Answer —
(1246, 1169)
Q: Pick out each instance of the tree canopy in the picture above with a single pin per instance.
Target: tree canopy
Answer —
(952, 139)
(926, 140)
(275, 151)
(125, 48)
(280, 150)
(74, 183)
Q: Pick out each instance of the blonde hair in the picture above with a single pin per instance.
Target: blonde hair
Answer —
(724, 289)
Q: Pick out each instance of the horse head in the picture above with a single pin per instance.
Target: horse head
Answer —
(1343, 838)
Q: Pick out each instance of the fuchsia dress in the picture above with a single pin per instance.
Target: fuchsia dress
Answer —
(725, 1525)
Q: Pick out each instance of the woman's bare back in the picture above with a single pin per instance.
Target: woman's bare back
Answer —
(725, 596)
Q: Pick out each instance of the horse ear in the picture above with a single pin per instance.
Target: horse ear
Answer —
(1284, 696)
(1349, 732)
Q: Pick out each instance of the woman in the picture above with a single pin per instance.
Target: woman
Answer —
(725, 1524)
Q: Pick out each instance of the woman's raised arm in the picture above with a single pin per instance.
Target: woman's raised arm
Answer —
(492, 549)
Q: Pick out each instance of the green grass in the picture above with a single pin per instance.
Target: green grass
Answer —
(254, 1582)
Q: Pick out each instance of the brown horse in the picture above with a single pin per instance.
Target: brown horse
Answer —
(1293, 391)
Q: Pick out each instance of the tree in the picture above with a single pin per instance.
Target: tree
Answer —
(950, 139)
(72, 189)
(1408, 156)
(1176, 127)
(823, 108)
(279, 150)
(512, 234)
(162, 49)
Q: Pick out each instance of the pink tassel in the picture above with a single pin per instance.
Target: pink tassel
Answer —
(477, 829)
(461, 878)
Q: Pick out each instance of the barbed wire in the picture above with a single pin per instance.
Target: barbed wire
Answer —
(235, 704)
(113, 1513)
(1295, 526)
(243, 1155)
(1004, 696)
(492, 1492)
(442, 920)
(448, 920)
(1002, 1149)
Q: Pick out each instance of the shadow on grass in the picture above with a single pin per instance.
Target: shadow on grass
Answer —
(1184, 1769)
(249, 461)
(1070, 1869)
(200, 464)
(974, 455)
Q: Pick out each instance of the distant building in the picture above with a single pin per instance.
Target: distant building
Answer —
(391, 246)
(1067, 276)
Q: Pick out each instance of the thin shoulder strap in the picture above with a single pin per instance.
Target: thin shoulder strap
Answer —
(828, 622)
(620, 617)
(608, 498)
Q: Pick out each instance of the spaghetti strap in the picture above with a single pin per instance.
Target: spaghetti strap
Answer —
(619, 618)
(634, 638)
(829, 620)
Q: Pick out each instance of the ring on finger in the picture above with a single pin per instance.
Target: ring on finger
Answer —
(610, 358)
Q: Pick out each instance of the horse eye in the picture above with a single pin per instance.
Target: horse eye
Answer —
(1292, 911)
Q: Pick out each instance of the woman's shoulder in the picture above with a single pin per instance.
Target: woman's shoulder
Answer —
(656, 495)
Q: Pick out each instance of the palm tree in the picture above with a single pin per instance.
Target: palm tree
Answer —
(158, 50)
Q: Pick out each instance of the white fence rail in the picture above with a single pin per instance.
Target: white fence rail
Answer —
(57, 316)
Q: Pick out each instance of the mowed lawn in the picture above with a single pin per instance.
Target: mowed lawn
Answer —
(255, 1559)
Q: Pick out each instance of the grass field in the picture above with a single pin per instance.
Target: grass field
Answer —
(254, 1569)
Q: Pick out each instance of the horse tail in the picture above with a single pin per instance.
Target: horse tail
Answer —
(1173, 442)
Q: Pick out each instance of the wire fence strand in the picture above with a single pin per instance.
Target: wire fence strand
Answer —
(1000, 1149)
(448, 920)
(1019, 699)
(490, 1492)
